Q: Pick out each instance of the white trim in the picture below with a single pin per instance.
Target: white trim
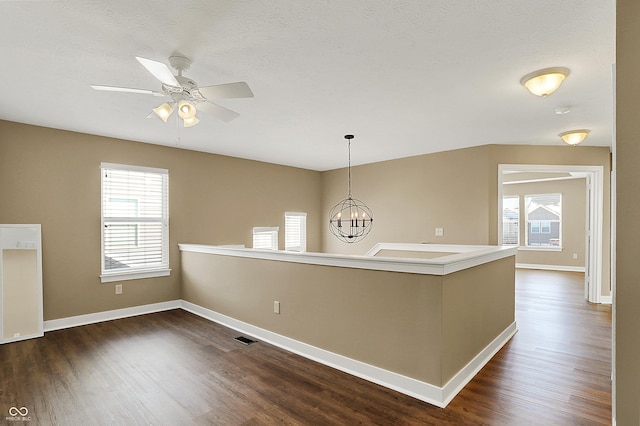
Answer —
(133, 168)
(518, 182)
(75, 321)
(436, 395)
(595, 204)
(564, 268)
(468, 372)
(134, 275)
(606, 300)
(540, 248)
(439, 396)
(461, 257)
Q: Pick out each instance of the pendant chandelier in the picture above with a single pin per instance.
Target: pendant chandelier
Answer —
(350, 220)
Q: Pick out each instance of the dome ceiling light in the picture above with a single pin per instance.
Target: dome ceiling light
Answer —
(546, 81)
(574, 137)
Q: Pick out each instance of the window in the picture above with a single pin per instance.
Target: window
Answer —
(511, 221)
(295, 231)
(135, 222)
(265, 238)
(540, 227)
(544, 220)
(535, 226)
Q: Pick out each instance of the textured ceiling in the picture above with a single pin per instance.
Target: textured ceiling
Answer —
(406, 77)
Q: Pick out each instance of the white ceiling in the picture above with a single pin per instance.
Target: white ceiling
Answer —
(406, 77)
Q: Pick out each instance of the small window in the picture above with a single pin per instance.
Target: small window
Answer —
(265, 238)
(135, 222)
(545, 227)
(544, 220)
(511, 221)
(535, 226)
(295, 231)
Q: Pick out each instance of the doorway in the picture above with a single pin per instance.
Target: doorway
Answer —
(594, 213)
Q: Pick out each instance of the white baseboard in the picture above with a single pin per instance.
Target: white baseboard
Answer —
(550, 267)
(58, 324)
(439, 396)
(606, 300)
(464, 376)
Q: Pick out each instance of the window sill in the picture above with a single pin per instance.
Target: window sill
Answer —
(134, 275)
(540, 248)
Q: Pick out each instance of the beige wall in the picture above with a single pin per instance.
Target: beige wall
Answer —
(465, 328)
(392, 320)
(627, 295)
(455, 190)
(574, 211)
(412, 196)
(52, 177)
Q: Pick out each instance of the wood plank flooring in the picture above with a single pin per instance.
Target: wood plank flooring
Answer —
(174, 368)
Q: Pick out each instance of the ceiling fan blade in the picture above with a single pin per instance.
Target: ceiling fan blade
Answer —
(125, 89)
(228, 90)
(159, 71)
(222, 113)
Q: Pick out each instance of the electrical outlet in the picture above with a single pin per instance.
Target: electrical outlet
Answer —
(118, 288)
(16, 334)
(276, 307)
(575, 255)
(439, 232)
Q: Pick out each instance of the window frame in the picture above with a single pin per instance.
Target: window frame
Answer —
(519, 221)
(265, 230)
(529, 223)
(139, 272)
(301, 218)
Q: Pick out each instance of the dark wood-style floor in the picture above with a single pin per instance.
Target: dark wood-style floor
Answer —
(174, 368)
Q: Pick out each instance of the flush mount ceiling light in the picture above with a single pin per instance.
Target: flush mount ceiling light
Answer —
(544, 82)
(350, 220)
(574, 137)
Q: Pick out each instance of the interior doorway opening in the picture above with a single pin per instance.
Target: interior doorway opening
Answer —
(593, 220)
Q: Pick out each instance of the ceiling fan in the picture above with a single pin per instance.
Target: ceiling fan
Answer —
(185, 93)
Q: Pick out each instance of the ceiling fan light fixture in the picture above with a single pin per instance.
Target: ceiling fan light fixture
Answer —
(545, 81)
(186, 110)
(574, 137)
(164, 111)
(188, 122)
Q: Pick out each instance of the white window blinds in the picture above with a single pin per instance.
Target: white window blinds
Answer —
(135, 219)
(265, 238)
(295, 231)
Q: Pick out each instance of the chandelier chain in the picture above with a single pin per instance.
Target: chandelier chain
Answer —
(349, 169)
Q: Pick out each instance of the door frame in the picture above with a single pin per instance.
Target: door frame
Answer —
(595, 212)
